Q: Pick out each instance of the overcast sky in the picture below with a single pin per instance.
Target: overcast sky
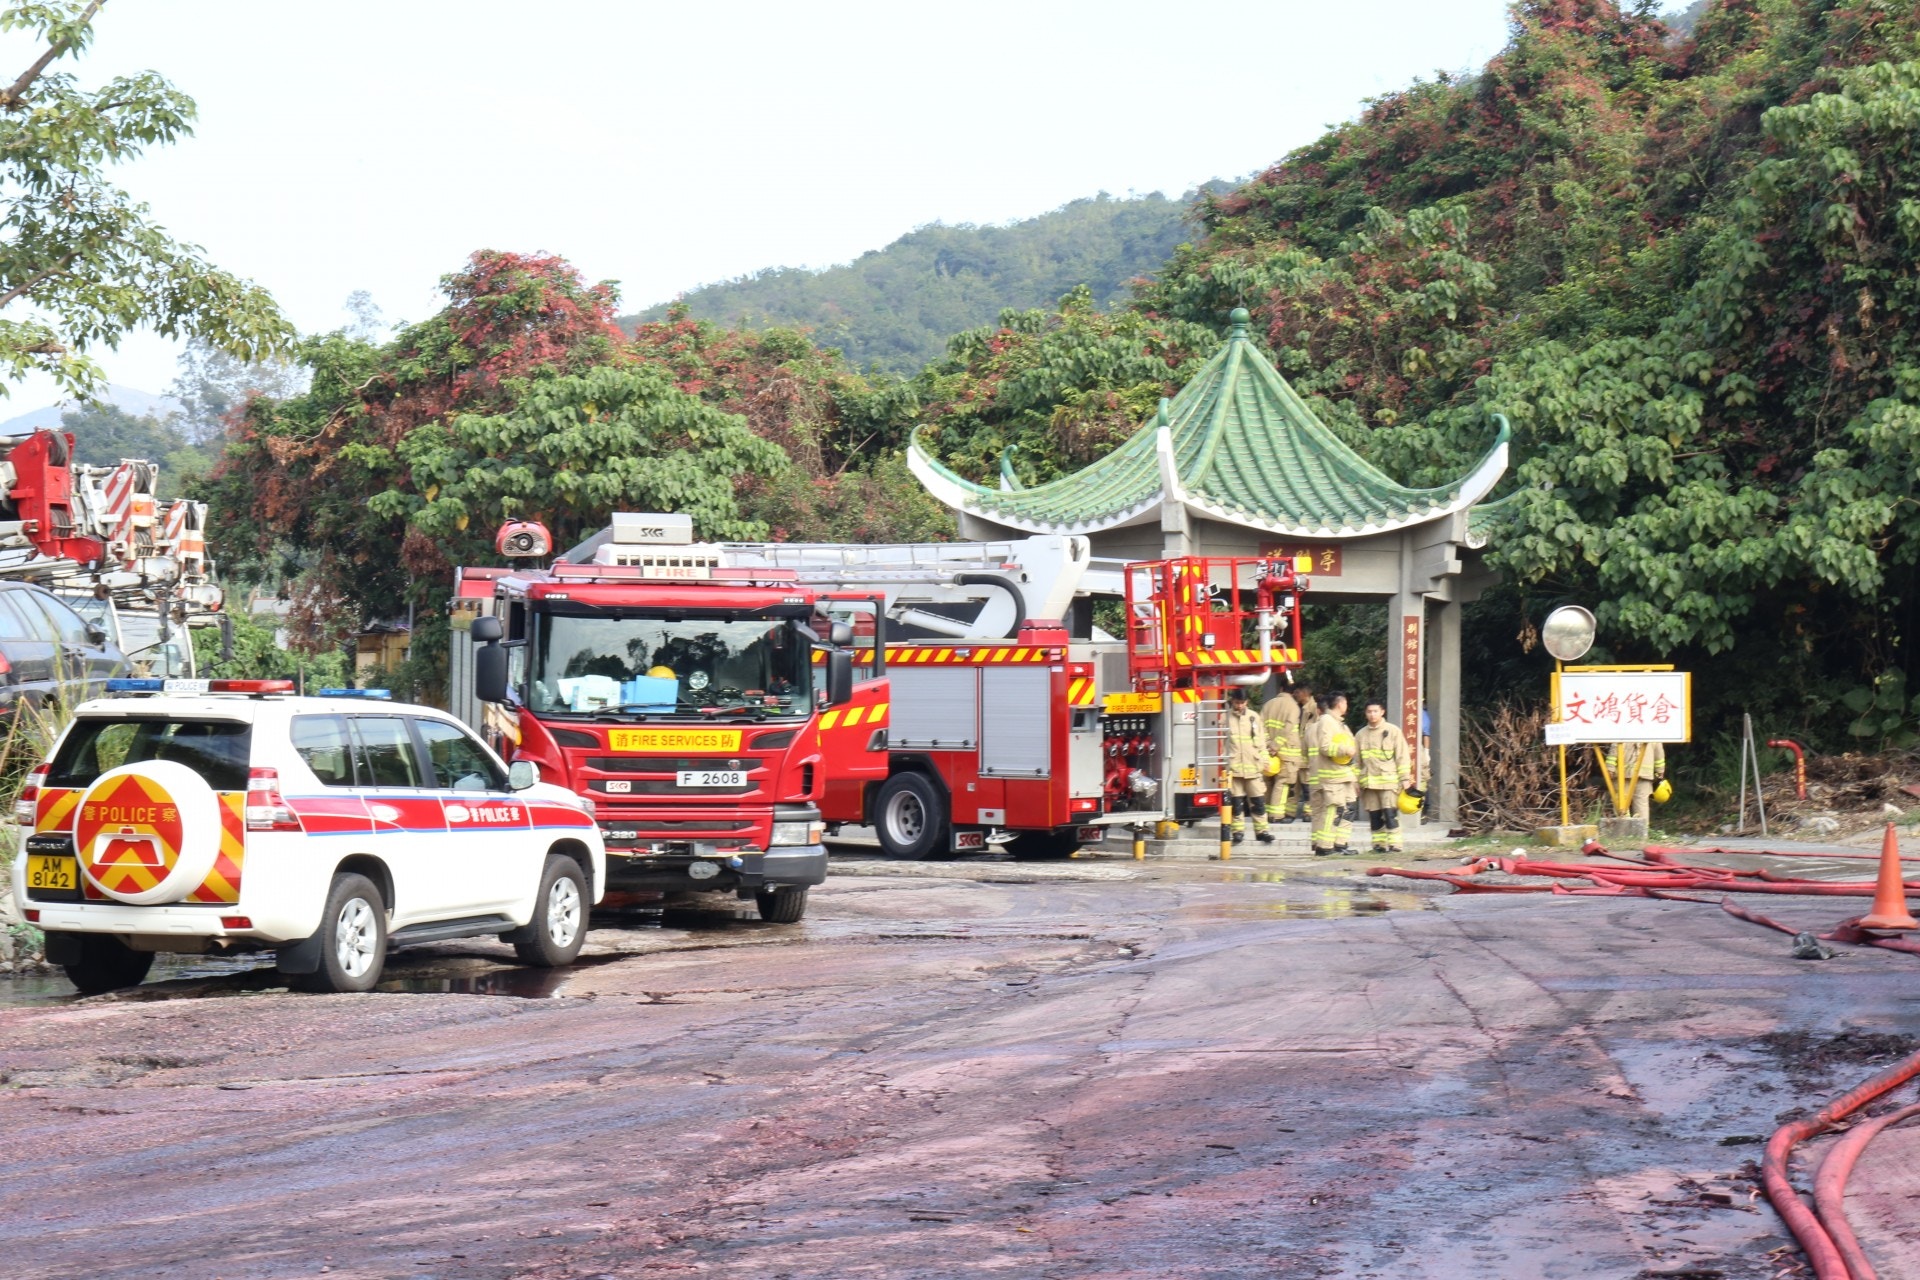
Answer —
(373, 144)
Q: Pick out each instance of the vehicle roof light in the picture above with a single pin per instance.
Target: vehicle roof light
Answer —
(250, 686)
(135, 686)
(355, 693)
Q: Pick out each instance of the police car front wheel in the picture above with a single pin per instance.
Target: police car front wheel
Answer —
(559, 925)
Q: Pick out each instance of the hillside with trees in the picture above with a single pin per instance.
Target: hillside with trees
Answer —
(895, 308)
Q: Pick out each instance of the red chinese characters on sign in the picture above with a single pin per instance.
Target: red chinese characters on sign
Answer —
(1326, 559)
(1410, 690)
(1622, 706)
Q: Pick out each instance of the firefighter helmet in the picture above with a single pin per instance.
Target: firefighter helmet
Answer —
(1273, 766)
(1662, 791)
(1409, 801)
(1340, 748)
(661, 673)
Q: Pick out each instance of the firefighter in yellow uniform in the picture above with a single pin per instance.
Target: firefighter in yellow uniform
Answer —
(1296, 770)
(1246, 767)
(1282, 716)
(1386, 769)
(1651, 757)
(1335, 784)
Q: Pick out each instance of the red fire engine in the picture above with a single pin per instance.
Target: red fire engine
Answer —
(981, 719)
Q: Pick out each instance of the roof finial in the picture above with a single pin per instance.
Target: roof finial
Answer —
(1161, 417)
(1240, 318)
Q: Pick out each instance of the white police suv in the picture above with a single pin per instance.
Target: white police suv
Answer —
(224, 816)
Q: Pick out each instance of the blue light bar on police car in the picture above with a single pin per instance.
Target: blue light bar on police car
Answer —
(135, 686)
(356, 693)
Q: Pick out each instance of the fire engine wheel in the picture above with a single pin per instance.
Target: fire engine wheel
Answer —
(784, 904)
(910, 817)
(1036, 845)
(559, 925)
(353, 937)
(107, 964)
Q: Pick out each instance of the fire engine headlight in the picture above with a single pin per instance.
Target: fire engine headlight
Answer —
(798, 833)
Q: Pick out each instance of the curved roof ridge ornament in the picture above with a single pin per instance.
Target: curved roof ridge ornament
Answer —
(1009, 478)
(1171, 489)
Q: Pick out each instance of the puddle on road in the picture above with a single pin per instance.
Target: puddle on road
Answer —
(1327, 904)
(524, 984)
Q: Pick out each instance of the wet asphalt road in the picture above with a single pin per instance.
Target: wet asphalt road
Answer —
(1100, 1069)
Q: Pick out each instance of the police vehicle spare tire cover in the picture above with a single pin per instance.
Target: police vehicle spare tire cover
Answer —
(147, 833)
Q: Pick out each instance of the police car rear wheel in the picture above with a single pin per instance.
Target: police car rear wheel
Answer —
(353, 929)
(559, 925)
(107, 964)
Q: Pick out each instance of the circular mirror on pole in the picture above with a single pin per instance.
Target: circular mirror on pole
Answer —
(1568, 633)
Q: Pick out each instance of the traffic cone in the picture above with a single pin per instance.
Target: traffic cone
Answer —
(1889, 894)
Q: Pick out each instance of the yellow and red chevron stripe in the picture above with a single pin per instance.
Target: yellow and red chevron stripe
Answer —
(1080, 691)
(53, 811)
(223, 882)
(927, 655)
(1235, 657)
(851, 717)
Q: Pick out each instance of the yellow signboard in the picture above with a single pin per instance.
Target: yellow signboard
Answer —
(674, 739)
(1132, 704)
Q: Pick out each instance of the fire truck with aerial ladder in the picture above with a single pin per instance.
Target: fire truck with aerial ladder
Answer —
(99, 537)
(722, 703)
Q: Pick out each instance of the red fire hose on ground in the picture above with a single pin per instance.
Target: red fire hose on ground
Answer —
(1822, 1230)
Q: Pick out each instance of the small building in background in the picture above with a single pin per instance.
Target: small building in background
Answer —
(381, 646)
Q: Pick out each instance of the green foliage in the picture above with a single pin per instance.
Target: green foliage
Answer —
(573, 448)
(84, 256)
(894, 308)
(257, 657)
(1056, 388)
(1882, 710)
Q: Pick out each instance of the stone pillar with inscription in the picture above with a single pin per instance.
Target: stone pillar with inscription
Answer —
(1406, 618)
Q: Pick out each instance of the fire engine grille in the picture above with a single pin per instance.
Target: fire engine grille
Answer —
(667, 764)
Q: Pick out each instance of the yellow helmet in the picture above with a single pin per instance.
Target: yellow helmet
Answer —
(1663, 792)
(1273, 766)
(661, 673)
(1340, 749)
(1409, 802)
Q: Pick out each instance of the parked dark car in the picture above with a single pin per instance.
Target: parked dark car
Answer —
(49, 652)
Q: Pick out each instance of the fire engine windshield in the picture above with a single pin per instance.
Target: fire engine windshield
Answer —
(602, 665)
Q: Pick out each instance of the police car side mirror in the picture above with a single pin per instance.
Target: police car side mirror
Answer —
(96, 635)
(839, 677)
(522, 774)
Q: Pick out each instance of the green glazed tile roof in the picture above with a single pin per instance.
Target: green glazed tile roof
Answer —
(1241, 446)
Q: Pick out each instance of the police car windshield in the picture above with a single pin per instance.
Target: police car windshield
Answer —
(217, 750)
(642, 667)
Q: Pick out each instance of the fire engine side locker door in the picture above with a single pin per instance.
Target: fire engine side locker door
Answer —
(936, 711)
(1017, 715)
